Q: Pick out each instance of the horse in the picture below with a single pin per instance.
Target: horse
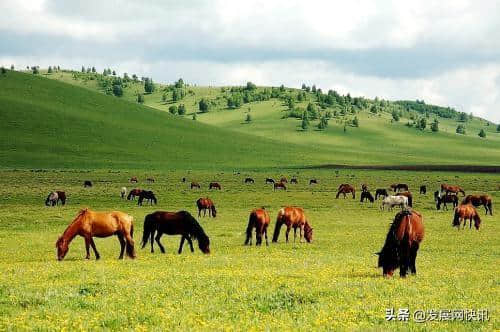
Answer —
(259, 219)
(206, 204)
(345, 189)
(134, 179)
(443, 199)
(478, 200)
(293, 217)
(214, 185)
(133, 193)
(195, 185)
(313, 181)
(183, 180)
(399, 187)
(401, 244)
(393, 201)
(294, 181)
(52, 199)
(451, 189)
(364, 187)
(283, 180)
(150, 180)
(366, 195)
(89, 224)
(423, 190)
(149, 196)
(87, 183)
(174, 223)
(464, 212)
(268, 180)
(279, 185)
(249, 180)
(381, 192)
(61, 197)
(123, 192)
(407, 194)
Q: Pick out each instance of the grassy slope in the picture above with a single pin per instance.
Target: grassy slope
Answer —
(376, 141)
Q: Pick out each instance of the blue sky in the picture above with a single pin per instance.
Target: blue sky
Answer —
(445, 52)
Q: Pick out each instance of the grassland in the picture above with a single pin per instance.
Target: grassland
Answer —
(332, 283)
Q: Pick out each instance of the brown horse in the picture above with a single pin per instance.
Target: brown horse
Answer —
(443, 199)
(407, 194)
(206, 204)
(195, 185)
(283, 180)
(174, 223)
(259, 219)
(133, 179)
(464, 212)
(451, 189)
(89, 223)
(279, 185)
(133, 193)
(345, 189)
(402, 243)
(293, 217)
(399, 187)
(214, 185)
(476, 200)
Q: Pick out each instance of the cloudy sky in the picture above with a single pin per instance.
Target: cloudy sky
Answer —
(445, 52)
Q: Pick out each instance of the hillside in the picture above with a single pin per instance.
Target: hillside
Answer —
(123, 133)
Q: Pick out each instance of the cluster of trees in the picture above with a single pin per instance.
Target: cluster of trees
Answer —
(149, 86)
(181, 109)
(50, 70)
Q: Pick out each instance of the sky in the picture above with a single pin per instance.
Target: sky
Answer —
(444, 52)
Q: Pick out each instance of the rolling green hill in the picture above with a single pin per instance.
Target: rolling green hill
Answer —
(67, 121)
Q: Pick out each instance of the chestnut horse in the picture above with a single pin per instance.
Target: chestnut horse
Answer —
(195, 185)
(133, 179)
(174, 223)
(402, 243)
(259, 219)
(476, 200)
(279, 185)
(293, 217)
(464, 212)
(206, 204)
(133, 193)
(90, 223)
(214, 185)
(451, 189)
(345, 189)
(408, 195)
(283, 180)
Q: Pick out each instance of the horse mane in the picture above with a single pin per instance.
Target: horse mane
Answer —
(390, 249)
(279, 222)
(195, 230)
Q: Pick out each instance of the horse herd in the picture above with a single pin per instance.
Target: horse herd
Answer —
(399, 251)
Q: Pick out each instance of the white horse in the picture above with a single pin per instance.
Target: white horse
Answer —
(392, 201)
(52, 199)
(123, 192)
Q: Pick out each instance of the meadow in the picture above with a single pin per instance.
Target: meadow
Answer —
(331, 283)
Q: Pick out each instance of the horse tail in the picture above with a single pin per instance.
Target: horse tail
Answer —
(477, 220)
(129, 196)
(129, 243)
(251, 223)
(456, 218)
(195, 230)
(149, 224)
(279, 222)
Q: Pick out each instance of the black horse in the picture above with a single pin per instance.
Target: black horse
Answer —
(366, 195)
(249, 180)
(174, 223)
(87, 183)
(447, 198)
(294, 180)
(423, 190)
(268, 180)
(149, 196)
(380, 192)
(313, 181)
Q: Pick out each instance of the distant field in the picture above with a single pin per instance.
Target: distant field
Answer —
(332, 283)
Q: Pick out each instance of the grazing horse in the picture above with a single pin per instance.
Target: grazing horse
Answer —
(279, 185)
(183, 180)
(89, 224)
(195, 185)
(206, 204)
(381, 192)
(87, 183)
(52, 199)
(283, 180)
(446, 188)
(149, 196)
(345, 189)
(443, 199)
(133, 193)
(464, 212)
(61, 197)
(214, 185)
(294, 181)
(402, 243)
(366, 195)
(150, 180)
(268, 180)
(134, 179)
(399, 187)
(313, 181)
(259, 219)
(123, 192)
(364, 187)
(392, 201)
(407, 194)
(249, 180)
(423, 190)
(478, 200)
(174, 223)
(293, 217)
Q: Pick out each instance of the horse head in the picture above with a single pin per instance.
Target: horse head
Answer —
(214, 211)
(62, 248)
(308, 232)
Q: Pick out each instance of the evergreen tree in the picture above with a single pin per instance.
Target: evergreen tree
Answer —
(83, 69)
(3, 71)
(395, 115)
(93, 69)
(179, 84)
(173, 109)
(49, 70)
(117, 90)
(149, 86)
(248, 118)
(498, 128)
(203, 105)
(355, 122)
(12, 67)
(305, 121)
(435, 126)
(194, 116)
(181, 109)
(140, 98)
(482, 133)
(460, 129)
(422, 123)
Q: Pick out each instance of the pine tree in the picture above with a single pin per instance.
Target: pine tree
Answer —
(248, 118)
(435, 126)
(140, 98)
(482, 133)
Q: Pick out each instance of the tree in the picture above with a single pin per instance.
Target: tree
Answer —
(313, 89)
(248, 118)
(311, 109)
(422, 123)
(462, 117)
(149, 86)
(303, 86)
(251, 86)
(105, 72)
(203, 105)
(93, 69)
(435, 126)
(173, 109)
(355, 122)
(11, 67)
(323, 123)
(49, 70)
(178, 94)
(460, 129)
(395, 115)
(83, 69)
(114, 73)
(181, 109)
(498, 128)
(117, 90)
(482, 133)
(140, 98)
(194, 116)
(3, 71)
(35, 70)
(179, 84)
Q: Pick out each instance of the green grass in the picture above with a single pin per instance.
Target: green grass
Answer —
(332, 283)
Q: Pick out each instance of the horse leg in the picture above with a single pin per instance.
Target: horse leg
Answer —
(158, 236)
(122, 245)
(87, 246)
(97, 256)
(405, 258)
(301, 230)
(152, 240)
(199, 212)
(181, 244)
(287, 232)
(265, 234)
(294, 234)
(188, 238)
(258, 236)
(413, 258)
